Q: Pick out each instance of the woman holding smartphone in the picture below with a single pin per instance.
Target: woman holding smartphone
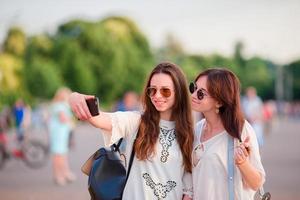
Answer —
(216, 94)
(162, 165)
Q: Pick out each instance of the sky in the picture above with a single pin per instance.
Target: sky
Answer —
(267, 28)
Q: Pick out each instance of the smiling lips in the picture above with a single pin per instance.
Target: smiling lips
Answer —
(159, 103)
(195, 101)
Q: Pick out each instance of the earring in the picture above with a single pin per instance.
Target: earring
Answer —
(217, 109)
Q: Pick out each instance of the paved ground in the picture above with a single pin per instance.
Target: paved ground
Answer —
(281, 159)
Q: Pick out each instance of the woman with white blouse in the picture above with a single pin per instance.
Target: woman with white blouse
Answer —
(216, 94)
(162, 165)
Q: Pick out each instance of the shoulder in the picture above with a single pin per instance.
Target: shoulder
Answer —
(128, 117)
(127, 114)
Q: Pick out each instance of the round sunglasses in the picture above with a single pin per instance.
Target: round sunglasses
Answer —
(200, 93)
(165, 92)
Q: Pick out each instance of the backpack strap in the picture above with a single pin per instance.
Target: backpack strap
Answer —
(130, 162)
(230, 166)
(116, 147)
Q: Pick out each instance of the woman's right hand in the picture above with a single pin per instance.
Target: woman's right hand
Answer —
(242, 152)
(78, 105)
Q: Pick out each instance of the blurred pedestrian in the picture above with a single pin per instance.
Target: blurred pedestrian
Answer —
(253, 110)
(60, 125)
(18, 112)
(216, 93)
(129, 102)
(5, 118)
(5, 121)
(269, 112)
(163, 136)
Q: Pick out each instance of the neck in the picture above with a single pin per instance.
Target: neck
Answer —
(213, 120)
(213, 125)
(165, 115)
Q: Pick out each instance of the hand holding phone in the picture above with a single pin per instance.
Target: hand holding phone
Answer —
(92, 104)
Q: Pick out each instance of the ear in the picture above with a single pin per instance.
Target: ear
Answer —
(218, 105)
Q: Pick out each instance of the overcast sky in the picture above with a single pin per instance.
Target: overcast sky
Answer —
(268, 28)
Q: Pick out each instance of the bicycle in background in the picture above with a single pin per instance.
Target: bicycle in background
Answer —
(34, 153)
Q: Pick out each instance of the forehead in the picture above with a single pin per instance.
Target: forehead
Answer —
(202, 82)
(161, 80)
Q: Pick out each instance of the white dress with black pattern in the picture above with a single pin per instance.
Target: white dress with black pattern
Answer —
(161, 177)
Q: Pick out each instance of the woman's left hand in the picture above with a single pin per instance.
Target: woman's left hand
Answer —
(241, 153)
(250, 175)
(186, 197)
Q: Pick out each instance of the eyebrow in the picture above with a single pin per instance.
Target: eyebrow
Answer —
(203, 89)
(164, 86)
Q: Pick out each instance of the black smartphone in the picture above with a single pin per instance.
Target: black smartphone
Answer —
(93, 104)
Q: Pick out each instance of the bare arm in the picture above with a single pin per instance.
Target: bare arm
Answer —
(251, 176)
(186, 197)
(81, 111)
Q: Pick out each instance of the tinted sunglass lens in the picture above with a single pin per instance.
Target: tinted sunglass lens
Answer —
(192, 87)
(200, 94)
(166, 92)
(151, 92)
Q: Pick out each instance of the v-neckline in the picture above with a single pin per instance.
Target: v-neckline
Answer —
(211, 138)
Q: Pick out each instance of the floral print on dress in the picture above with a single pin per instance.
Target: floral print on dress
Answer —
(160, 190)
(165, 138)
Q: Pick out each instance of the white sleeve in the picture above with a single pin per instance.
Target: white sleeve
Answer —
(187, 184)
(254, 156)
(124, 124)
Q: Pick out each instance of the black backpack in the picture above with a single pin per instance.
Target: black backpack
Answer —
(108, 177)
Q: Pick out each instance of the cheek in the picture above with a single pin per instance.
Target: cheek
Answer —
(196, 106)
(172, 100)
(152, 101)
(169, 103)
(201, 106)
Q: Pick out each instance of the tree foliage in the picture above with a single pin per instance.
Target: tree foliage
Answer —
(99, 58)
(293, 69)
(110, 56)
(15, 42)
(254, 71)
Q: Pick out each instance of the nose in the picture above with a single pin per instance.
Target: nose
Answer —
(158, 94)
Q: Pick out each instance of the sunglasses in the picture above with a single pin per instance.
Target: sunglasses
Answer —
(200, 93)
(165, 92)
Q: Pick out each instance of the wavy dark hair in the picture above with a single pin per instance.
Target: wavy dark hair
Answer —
(181, 114)
(224, 86)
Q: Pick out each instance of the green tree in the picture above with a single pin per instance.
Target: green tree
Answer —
(294, 70)
(10, 69)
(40, 74)
(42, 78)
(238, 54)
(11, 65)
(15, 42)
(73, 63)
(107, 54)
(256, 73)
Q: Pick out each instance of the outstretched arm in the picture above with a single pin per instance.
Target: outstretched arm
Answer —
(186, 197)
(81, 111)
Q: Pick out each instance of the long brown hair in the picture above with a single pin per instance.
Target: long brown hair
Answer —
(224, 87)
(181, 114)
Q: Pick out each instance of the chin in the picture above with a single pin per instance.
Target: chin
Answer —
(160, 109)
(196, 109)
